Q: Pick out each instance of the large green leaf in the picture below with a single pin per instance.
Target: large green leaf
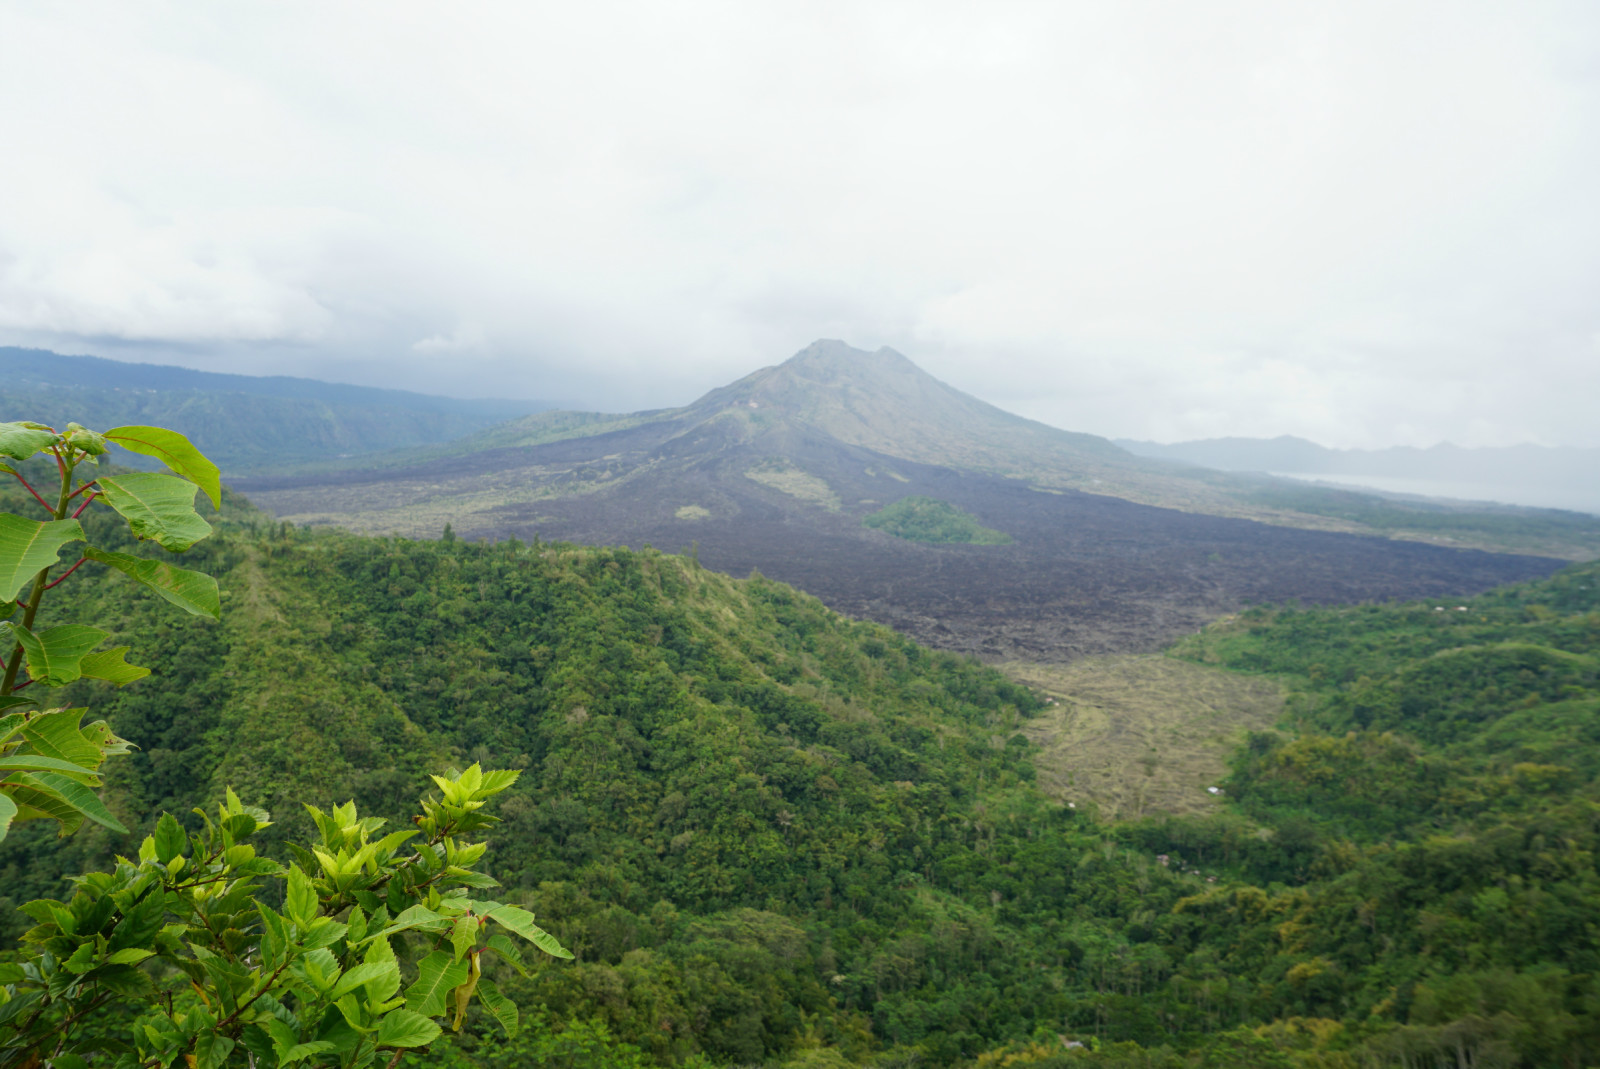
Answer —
(55, 657)
(157, 507)
(366, 973)
(8, 809)
(22, 440)
(112, 667)
(437, 975)
(300, 904)
(169, 839)
(79, 797)
(504, 1010)
(173, 450)
(58, 733)
(194, 592)
(27, 762)
(521, 922)
(406, 1028)
(35, 801)
(29, 546)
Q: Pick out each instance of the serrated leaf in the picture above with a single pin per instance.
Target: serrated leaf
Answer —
(464, 935)
(350, 1007)
(416, 917)
(504, 1010)
(19, 441)
(169, 838)
(173, 450)
(406, 1028)
(194, 592)
(55, 657)
(158, 507)
(284, 1038)
(520, 921)
(383, 988)
(497, 780)
(81, 961)
(304, 1050)
(8, 810)
(363, 974)
(437, 975)
(129, 956)
(211, 1050)
(301, 904)
(27, 547)
(111, 665)
(501, 944)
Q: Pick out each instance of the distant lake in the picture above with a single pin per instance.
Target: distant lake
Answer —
(1535, 495)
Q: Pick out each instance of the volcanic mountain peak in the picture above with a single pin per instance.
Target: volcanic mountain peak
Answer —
(884, 402)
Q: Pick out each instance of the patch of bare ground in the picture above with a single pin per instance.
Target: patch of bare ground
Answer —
(1135, 735)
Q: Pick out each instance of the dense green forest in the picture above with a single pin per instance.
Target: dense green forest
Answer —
(773, 836)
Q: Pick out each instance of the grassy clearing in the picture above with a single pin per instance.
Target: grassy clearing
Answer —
(1140, 734)
(787, 479)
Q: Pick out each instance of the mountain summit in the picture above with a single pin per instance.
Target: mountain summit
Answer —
(884, 402)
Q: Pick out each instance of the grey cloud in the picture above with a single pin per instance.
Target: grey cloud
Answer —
(1369, 224)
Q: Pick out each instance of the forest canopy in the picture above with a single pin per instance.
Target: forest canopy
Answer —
(771, 835)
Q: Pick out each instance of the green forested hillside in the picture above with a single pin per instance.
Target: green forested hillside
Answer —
(775, 836)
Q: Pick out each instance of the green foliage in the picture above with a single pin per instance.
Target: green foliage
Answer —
(927, 519)
(178, 956)
(47, 765)
(768, 834)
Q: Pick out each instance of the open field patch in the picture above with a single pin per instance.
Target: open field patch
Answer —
(1143, 733)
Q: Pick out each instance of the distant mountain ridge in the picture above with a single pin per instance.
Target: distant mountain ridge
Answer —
(244, 422)
(1550, 464)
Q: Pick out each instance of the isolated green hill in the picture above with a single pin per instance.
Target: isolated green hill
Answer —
(776, 836)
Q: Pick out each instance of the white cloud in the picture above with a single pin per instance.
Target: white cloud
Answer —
(1367, 223)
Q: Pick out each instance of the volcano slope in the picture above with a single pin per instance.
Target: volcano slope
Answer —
(772, 475)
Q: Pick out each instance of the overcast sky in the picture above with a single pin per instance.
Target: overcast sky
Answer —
(1364, 223)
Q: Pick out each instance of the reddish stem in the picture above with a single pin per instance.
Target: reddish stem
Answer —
(86, 503)
(19, 686)
(32, 491)
(81, 489)
(66, 573)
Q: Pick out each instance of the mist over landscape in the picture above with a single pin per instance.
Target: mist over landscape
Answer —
(871, 536)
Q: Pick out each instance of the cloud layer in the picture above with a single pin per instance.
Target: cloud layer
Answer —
(1369, 224)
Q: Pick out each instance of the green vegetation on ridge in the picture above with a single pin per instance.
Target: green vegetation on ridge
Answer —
(774, 836)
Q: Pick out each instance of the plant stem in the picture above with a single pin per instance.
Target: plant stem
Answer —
(31, 490)
(40, 581)
(58, 579)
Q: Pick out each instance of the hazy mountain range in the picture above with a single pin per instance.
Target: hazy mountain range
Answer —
(246, 421)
